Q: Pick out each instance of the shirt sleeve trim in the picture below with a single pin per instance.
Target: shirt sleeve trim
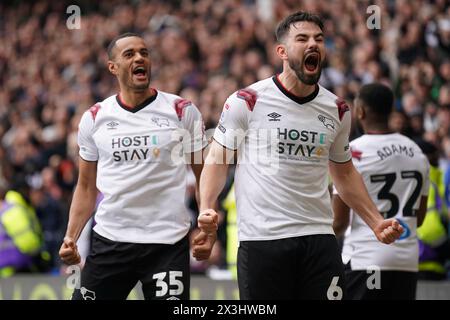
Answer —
(224, 145)
(86, 159)
(340, 162)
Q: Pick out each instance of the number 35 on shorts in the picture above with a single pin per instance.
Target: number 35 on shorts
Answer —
(171, 285)
(334, 292)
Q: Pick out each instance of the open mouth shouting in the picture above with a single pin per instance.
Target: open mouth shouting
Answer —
(312, 62)
(140, 73)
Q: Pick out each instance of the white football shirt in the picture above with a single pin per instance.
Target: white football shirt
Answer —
(284, 145)
(140, 168)
(395, 172)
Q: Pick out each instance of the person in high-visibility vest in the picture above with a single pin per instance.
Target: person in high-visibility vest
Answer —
(21, 237)
(434, 243)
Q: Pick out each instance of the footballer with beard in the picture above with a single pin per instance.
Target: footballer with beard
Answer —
(287, 247)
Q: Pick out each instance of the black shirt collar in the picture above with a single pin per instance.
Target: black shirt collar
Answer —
(140, 106)
(376, 132)
(290, 95)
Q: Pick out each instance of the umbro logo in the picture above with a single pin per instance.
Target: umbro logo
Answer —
(274, 116)
(173, 298)
(112, 125)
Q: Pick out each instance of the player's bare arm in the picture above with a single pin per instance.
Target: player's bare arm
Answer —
(341, 215)
(353, 192)
(205, 242)
(422, 210)
(212, 182)
(81, 210)
(196, 161)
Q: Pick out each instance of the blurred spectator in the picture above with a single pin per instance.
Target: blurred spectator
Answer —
(49, 212)
(21, 239)
(434, 242)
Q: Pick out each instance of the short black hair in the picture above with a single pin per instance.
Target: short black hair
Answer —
(378, 98)
(112, 44)
(21, 184)
(427, 148)
(284, 26)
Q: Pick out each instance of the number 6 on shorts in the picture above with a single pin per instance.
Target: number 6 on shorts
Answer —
(334, 292)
